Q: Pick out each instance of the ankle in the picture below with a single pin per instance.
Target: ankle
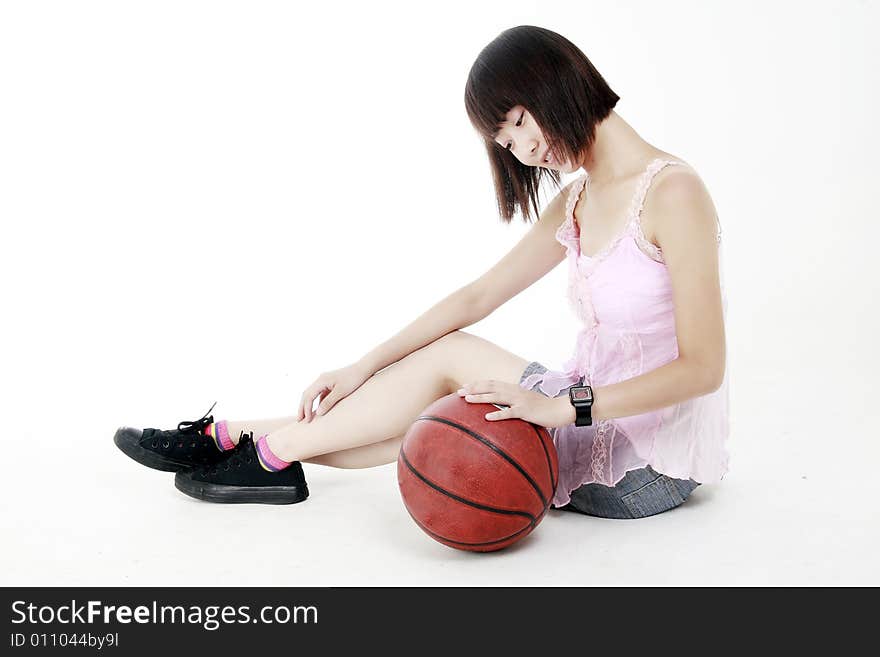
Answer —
(219, 433)
(269, 459)
(235, 430)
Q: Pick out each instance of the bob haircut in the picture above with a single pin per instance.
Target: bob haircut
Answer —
(549, 76)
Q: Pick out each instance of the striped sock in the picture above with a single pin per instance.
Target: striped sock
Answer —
(267, 459)
(220, 434)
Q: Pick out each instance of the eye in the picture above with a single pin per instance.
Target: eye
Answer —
(517, 124)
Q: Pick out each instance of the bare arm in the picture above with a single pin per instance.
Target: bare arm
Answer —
(537, 253)
(532, 257)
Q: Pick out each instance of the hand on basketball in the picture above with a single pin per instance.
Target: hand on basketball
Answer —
(524, 404)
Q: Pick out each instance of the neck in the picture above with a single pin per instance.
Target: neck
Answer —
(616, 153)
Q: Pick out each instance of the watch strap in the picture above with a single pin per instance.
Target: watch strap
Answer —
(583, 416)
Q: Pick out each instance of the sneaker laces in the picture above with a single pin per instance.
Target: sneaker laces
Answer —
(197, 426)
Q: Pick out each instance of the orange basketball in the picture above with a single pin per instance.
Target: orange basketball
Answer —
(472, 483)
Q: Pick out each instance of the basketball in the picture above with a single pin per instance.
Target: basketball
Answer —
(475, 484)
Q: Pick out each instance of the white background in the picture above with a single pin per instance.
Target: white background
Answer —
(209, 201)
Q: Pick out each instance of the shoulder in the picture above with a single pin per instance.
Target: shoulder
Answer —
(679, 181)
(679, 205)
(564, 194)
(553, 215)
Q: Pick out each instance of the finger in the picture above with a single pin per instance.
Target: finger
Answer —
(503, 414)
(478, 387)
(326, 401)
(315, 398)
(311, 392)
(308, 398)
(484, 397)
(301, 409)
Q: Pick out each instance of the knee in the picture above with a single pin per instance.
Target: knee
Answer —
(453, 337)
(445, 355)
(436, 349)
(446, 346)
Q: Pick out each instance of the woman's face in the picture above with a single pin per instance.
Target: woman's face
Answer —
(520, 134)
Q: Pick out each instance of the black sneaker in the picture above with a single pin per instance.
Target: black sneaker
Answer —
(171, 450)
(239, 478)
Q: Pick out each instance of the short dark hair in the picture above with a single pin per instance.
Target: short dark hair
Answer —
(550, 76)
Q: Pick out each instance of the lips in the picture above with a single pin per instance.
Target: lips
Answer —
(544, 158)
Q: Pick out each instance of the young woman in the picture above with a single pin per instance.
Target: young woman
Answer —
(640, 233)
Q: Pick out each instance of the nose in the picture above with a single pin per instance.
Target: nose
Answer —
(533, 151)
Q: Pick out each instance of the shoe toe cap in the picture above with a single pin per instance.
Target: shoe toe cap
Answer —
(127, 436)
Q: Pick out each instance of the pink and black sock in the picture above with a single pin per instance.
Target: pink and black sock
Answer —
(219, 432)
(268, 459)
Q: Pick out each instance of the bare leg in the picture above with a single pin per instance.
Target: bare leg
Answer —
(365, 456)
(258, 427)
(366, 428)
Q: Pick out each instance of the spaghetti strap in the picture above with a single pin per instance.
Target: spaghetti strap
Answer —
(642, 189)
(635, 223)
(573, 196)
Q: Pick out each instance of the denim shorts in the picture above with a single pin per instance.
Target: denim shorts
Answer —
(641, 493)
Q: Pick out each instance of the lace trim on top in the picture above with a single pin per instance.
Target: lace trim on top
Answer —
(569, 236)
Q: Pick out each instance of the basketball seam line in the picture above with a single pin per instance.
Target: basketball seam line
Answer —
(440, 537)
(477, 505)
(494, 448)
(549, 464)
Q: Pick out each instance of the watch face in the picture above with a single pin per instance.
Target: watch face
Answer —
(582, 395)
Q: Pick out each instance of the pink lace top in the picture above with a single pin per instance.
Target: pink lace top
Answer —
(623, 296)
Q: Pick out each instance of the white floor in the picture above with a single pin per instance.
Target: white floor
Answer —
(792, 510)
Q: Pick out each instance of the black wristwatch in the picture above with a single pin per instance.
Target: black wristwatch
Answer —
(582, 399)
